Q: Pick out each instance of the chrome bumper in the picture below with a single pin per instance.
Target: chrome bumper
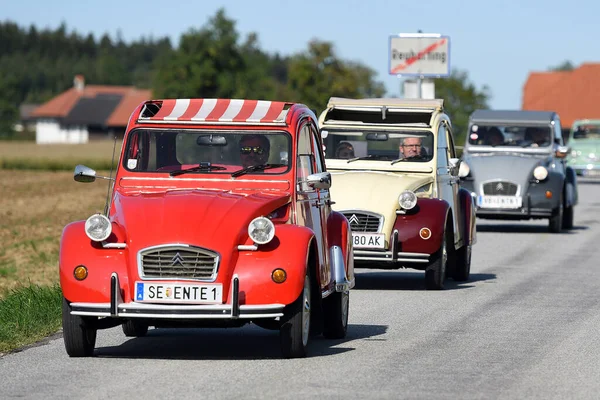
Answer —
(119, 309)
(392, 255)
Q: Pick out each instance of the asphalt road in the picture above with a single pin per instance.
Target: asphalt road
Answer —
(525, 326)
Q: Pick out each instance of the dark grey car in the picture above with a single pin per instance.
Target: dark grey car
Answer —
(514, 165)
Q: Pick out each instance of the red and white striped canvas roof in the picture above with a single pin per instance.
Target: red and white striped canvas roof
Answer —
(220, 111)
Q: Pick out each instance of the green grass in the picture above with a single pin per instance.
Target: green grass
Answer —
(51, 165)
(29, 314)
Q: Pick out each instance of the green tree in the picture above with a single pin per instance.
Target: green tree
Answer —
(461, 98)
(317, 75)
(564, 66)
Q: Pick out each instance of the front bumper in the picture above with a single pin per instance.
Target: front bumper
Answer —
(587, 170)
(119, 309)
(392, 255)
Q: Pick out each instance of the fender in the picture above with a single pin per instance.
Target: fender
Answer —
(339, 240)
(428, 213)
(289, 250)
(468, 225)
(571, 191)
(77, 249)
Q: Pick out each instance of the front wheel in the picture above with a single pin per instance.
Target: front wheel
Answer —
(555, 222)
(335, 315)
(133, 328)
(568, 218)
(462, 269)
(78, 334)
(435, 274)
(294, 332)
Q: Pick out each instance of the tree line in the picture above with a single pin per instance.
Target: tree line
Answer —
(212, 61)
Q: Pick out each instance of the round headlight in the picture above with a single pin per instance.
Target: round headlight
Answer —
(261, 230)
(540, 173)
(464, 170)
(98, 227)
(407, 200)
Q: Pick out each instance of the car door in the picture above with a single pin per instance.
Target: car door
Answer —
(447, 182)
(308, 205)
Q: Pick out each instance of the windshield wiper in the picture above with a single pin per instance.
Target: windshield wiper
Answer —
(259, 167)
(361, 158)
(411, 159)
(204, 166)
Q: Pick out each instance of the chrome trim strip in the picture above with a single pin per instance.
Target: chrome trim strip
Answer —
(114, 245)
(247, 247)
(407, 260)
(367, 255)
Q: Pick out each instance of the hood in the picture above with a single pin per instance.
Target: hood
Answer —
(210, 219)
(512, 167)
(373, 191)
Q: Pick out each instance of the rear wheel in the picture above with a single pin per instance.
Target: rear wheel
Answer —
(133, 328)
(567, 222)
(435, 273)
(294, 332)
(335, 315)
(78, 333)
(462, 269)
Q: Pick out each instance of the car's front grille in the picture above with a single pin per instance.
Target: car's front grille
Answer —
(500, 188)
(179, 262)
(364, 222)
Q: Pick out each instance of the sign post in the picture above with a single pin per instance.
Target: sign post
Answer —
(419, 55)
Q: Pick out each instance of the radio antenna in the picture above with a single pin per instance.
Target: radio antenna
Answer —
(110, 184)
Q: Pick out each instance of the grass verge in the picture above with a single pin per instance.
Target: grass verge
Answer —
(29, 314)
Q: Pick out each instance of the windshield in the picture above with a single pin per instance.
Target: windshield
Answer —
(214, 152)
(409, 146)
(508, 135)
(591, 131)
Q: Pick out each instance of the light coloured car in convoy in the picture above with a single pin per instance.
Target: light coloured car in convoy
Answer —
(395, 174)
(584, 141)
(514, 164)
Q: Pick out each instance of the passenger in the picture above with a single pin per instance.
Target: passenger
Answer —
(345, 150)
(494, 137)
(539, 136)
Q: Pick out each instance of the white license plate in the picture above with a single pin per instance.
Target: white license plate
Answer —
(591, 172)
(369, 240)
(499, 201)
(172, 292)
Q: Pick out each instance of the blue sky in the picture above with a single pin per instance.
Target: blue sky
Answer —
(496, 42)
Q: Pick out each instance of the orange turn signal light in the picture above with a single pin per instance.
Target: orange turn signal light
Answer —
(80, 272)
(425, 233)
(548, 194)
(278, 275)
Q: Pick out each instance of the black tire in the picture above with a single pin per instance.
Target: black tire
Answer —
(567, 222)
(133, 328)
(462, 269)
(435, 273)
(295, 331)
(335, 315)
(78, 334)
(555, 222)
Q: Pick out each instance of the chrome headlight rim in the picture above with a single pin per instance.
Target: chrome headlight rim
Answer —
(98, 227)
(407, 200)
(540, 172)
(260, 225)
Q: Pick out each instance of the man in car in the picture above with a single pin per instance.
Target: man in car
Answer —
(411, 148)
(254, 150)
(540, 137)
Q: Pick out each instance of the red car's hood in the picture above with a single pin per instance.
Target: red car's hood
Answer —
(206, 218)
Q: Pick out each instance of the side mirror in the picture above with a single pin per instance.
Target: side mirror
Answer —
(562, 151)
(321, 180)
(454, 166)
(84, 174)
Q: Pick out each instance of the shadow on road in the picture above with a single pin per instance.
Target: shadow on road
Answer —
(403, 280)
(525, 228)
(249, 342)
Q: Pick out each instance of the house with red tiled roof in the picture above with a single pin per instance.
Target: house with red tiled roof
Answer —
(572, 94)
(87, 112)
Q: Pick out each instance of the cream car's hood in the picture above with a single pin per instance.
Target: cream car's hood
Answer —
(374, 191)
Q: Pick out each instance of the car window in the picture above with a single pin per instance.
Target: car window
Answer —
(442, 147)
(510, 135)
(172, 150)
(377, 145)
(589, 131)
(305, 164)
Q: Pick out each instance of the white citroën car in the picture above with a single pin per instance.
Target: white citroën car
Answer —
(395, 170)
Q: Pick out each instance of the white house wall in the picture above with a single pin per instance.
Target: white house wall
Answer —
(51, 131)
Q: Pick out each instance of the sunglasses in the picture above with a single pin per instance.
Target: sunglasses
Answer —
(249, 149)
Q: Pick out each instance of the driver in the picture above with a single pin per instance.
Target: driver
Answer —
(254, 150)
(411, 147)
